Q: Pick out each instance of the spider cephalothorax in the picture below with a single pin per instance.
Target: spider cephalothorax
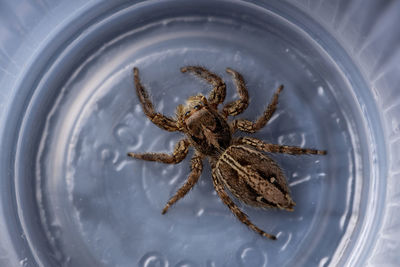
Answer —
(238, 164)
(207, 130)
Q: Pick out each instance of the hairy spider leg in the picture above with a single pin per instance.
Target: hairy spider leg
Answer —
(274, 148)
(238, 106)
(162, 121)
(216, 176)
(252, 127)
(197, 168)
(180, 152)
(218, 93)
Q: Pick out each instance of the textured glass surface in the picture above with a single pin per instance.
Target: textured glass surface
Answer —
(69, 114)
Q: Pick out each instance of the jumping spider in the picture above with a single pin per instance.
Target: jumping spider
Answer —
(237, 163)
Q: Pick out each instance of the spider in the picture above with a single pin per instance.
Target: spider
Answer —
(238, 164)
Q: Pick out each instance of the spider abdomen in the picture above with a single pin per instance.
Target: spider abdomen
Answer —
(253, 178)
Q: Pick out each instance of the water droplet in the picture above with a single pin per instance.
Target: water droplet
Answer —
(106, 154)
(200, 212)
(395, 125)
(125, 135)
(288, 237)
(251, 256)
(321, 91)
(153, 259)
(186, 263)
(24, 262)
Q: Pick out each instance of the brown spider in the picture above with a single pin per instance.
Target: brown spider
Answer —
(237, 163)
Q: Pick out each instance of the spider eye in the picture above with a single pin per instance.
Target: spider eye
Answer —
(197, 107)
(187, 113)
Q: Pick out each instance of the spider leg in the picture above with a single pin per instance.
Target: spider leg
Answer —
(218, 93)
(273, 148)
(197, 167)
(180, 151)
(232, 206)
(238, 106)
(162, 121)
(252, 127)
